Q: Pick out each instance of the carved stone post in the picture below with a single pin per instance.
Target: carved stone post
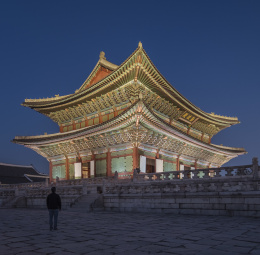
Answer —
(46, 182)
(84, 187)
(116, 175)
(135, 175)
(256, 170)
(57, 180)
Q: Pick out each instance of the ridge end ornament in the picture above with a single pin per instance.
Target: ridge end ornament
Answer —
(102, 55)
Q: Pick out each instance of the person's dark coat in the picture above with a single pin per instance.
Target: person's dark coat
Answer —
(53, 201)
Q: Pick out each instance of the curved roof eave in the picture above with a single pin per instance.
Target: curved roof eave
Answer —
(175, 95)
(100, 128)
(77, 94)
(229, 120)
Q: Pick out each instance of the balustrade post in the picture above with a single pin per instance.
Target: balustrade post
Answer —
(256, 170)
(134, 175)
(185, 174)
(195, 174)
(57, 180)
(217, 172)
(116, 175)
(46, 182)
(229, 171)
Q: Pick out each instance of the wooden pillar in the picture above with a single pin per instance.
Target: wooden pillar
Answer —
(178, 164)
(61, 129)
(135, 158)
(67, 167)
(157, 154)
(109, 172)
(195, 165)
(202, 137)
(50, 171)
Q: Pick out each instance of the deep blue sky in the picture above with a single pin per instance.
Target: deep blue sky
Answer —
(208, 50)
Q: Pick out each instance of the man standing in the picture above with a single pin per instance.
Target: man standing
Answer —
(53, 205)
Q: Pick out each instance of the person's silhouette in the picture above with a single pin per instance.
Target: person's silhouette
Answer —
(54, 205)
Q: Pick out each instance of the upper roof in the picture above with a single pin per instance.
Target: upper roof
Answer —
(139, 64)
(14, 174)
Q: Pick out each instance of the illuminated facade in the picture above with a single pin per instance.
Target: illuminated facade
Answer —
(125, 117)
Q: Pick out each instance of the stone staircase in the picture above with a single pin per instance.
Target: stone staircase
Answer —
(14, 202)
(88, 203)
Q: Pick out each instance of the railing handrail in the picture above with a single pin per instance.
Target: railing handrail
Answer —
(208, 173)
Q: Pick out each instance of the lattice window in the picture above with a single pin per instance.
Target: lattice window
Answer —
(59, 171)
(168, 167)
(71, 171)
(101, 168)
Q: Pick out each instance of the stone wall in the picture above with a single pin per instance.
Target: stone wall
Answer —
(233, 191)
(214, 191)
(201, 203)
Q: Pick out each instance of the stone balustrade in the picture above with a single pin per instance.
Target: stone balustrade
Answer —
(24, 185)
(158, 187)
(209, 173)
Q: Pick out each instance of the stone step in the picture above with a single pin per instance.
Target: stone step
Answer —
(87, 203)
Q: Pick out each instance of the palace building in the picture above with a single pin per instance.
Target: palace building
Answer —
(127, 117)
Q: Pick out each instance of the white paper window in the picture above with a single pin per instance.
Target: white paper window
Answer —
(159, 165)
(77, 167)
(92, 168)
(143, 164)
(191, 174)
(181, 169)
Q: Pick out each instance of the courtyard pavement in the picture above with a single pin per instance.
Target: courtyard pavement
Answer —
(26, 231)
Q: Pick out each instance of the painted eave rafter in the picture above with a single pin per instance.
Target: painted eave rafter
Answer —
(138, 111)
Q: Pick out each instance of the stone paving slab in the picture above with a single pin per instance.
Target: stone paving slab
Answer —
(26, 231)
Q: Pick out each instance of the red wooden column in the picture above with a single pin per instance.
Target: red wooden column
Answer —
(50, 171)
(67, 167)
(195, 165)
(135, 158)
(109, 172)
(178, 164)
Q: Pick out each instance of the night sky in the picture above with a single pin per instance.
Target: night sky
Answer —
(208, 50)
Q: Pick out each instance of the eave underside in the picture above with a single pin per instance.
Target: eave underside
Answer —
(138, 125)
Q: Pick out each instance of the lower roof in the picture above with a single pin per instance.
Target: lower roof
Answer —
(14, 174)
(59, 137)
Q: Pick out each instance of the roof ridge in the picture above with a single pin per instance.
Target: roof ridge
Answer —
(6, 164)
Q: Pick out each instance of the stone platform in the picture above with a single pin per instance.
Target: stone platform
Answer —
(26, 231)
